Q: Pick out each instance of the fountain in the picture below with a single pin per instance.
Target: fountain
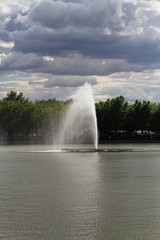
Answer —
(80, 123)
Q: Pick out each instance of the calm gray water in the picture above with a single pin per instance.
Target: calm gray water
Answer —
(74, 196)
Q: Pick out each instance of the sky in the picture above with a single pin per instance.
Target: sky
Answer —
(49, 48)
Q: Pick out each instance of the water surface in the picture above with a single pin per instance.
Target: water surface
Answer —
(105, 195)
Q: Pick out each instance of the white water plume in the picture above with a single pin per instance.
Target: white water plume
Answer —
(80, 123)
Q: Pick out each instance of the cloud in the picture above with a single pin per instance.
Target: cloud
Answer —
(72, 65)
(64, 81)
(141, 85)
(70, 28)
(6, 44)
(113, 44)
(69, 81)
(76, 14)
(18, 61)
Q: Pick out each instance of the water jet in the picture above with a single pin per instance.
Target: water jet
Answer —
(80, 122)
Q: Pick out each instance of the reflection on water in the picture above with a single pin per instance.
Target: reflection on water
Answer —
(113, 196)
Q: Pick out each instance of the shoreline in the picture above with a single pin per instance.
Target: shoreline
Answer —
(115, 141)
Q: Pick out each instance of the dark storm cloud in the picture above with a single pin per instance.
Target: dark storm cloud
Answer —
(79, 65)
(4, 35)
(18, 61)
(14, 25)
(65, 81)
(68, 81)
(71, 65)
(140, 48)
(132, 50)
(62, 14)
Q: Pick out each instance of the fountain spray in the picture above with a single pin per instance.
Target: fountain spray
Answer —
(80, 123)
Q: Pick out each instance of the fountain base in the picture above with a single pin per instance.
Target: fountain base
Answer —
(96, 150)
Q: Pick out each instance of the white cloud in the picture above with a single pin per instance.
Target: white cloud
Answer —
(131, 85)
(48, 58)
(2, 57)
(6, 44)
(4, 9)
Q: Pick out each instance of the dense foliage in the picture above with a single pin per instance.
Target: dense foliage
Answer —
(23, 120)
(117, 119)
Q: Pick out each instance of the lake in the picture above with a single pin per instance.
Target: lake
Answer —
(91, 196)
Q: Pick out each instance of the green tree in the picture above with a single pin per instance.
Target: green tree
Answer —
(155, 121)
(118, 112)
(16, 115)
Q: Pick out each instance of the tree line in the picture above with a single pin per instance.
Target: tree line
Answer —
(22, 120)
(117, 119)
